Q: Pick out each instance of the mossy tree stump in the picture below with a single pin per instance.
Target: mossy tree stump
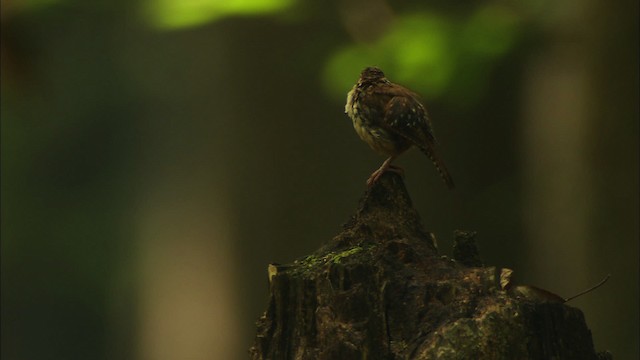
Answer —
(379, 290)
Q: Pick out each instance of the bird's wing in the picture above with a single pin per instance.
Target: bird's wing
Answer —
(406, 117)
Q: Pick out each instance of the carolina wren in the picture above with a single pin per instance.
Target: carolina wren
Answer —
(391, 119)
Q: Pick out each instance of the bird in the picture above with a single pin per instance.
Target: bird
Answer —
(391, 119)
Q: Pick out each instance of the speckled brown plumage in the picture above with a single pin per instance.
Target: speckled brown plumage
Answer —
(391, 119)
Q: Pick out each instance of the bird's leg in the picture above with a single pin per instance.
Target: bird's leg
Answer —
(386, 166)
(397, 169)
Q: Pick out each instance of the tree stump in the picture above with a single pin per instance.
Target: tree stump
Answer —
(379, 290)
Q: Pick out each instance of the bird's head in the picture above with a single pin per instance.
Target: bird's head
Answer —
(372, 74)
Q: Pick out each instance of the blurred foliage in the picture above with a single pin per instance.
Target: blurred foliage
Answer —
(29, 5)
(102, 101)
(490, 32)
(168, 14)
(434, 54)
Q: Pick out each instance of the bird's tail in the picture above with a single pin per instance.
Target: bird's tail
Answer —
(440, 166)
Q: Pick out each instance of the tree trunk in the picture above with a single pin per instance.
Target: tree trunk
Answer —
(379, 290)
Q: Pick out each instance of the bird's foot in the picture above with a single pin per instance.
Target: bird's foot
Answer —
(378, 173)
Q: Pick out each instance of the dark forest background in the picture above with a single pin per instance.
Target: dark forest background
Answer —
(157, 155)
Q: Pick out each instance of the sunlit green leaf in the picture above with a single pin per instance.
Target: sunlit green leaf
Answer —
(432, 54)
(184, 13)
(415, 52)
(422, 58)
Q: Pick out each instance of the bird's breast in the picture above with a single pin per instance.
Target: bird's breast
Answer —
(379, 139)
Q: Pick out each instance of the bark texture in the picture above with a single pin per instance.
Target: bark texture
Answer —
(379, 290)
